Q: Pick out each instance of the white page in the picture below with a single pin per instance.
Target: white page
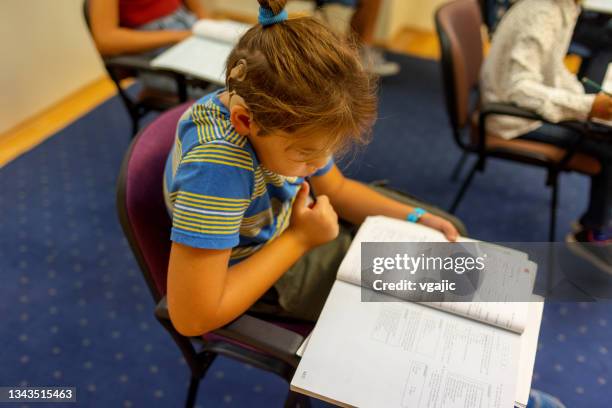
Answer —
(300, 351)
(508, 315)
(528, 350)
(226, 31)
(385, 229)
(529, 347)
(403, 354)
(196, 56)
(602, 6)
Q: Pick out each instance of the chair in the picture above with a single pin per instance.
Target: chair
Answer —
(266, 344)
(131, 66)
(458, 25)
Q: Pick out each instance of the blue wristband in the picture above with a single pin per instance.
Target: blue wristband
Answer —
(416, 215)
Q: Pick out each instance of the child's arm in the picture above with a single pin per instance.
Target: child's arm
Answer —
(354, 201)
(204, 294)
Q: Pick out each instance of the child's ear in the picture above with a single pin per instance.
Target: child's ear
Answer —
(241, 119)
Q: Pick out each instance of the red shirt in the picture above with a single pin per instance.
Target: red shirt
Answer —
(134, 13)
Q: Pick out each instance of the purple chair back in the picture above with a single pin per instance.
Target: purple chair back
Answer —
(140, 200)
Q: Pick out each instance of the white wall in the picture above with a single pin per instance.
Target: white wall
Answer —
(46, 55)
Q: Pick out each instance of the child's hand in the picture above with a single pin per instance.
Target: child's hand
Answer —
(314, 225)
(440, 224)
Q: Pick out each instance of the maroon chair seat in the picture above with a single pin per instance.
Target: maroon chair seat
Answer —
(267, 344)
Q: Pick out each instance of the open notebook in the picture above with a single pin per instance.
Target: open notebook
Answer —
(204, 54)
(411, 355)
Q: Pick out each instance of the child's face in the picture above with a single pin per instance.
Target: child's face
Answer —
(290, 156)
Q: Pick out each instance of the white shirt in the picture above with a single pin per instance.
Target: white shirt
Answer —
(525, 66)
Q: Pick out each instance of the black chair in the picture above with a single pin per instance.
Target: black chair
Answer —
(148, 100)
(458, 25)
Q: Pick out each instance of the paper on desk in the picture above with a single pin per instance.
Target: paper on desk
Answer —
(226, 31)
(402, 354)
(601, 6)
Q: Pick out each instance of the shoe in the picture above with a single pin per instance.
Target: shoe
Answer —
(595, 248)
(539, 399)
(374, 62)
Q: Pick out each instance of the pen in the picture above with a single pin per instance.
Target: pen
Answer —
(595, 85)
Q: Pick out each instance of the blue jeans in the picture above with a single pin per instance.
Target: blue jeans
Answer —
(599, 213)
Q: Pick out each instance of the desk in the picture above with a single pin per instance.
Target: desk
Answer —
(198, 57)
(599, 6)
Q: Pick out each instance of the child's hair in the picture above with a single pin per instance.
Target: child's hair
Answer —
(302, 77)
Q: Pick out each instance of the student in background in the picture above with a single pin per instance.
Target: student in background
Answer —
(139, 26)
(525, 67)
(234, 181)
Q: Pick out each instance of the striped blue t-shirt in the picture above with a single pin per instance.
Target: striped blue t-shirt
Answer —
(217, 191)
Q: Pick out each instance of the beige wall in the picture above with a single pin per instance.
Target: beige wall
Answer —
(46, 55)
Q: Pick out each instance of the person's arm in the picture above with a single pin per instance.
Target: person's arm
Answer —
(111, 39)
(204, 294)
(196, 7)
(354, 201)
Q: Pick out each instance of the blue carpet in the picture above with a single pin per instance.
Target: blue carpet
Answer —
(77, 312)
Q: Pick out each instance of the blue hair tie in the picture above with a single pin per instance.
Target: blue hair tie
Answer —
(268, 18)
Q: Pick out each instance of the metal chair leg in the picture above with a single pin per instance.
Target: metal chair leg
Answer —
(463, 188)
(553, 210)
(193, 392)
(458, 167)
(297, 400)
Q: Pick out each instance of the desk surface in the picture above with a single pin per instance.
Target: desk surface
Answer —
(600, 6)
(607, 82)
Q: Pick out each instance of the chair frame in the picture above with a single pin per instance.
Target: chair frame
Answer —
(481, 150)
(276, 345)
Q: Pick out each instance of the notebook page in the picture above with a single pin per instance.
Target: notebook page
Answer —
(199, 57)
(602, 6)
(508, 315)
(226, 31)
(403, 354)
(528, 349)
